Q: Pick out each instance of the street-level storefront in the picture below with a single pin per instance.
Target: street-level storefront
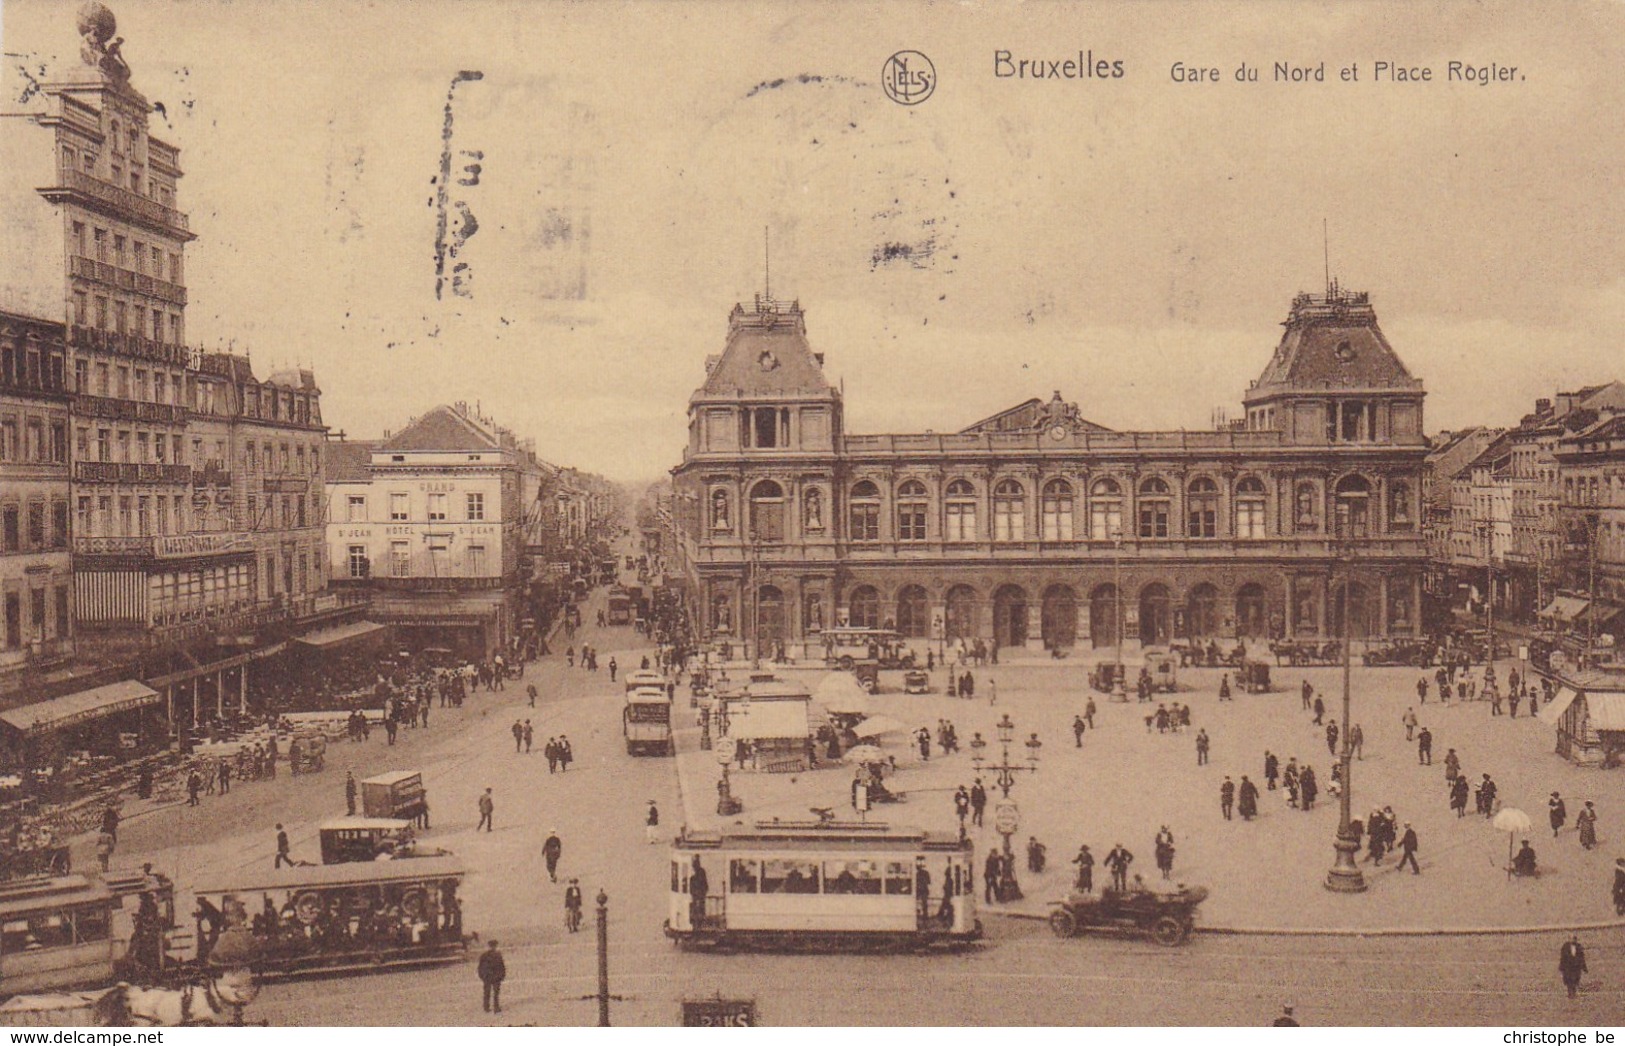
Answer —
(51, 743)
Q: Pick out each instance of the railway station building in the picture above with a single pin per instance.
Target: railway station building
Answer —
(1037, 528)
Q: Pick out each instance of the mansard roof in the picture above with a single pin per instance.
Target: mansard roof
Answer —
(767, 355)
(1332, 341)
(440, 429)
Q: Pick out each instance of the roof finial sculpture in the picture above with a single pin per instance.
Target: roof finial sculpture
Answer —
(99, 48)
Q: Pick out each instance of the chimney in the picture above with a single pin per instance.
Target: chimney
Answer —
(1543, 406)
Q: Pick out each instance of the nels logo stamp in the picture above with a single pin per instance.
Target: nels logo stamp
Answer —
(908, 77)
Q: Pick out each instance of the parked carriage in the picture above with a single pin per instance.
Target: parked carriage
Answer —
(1253, 676)
(823, 884)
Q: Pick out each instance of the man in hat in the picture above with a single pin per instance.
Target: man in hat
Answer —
(488, 807)
(1407, 848)
(651, 823)
(1557, 813)
(1117, 862)
(349, 791)
(572, 906)
(493, 971)
(1227, 797)
(1619, 886)
(1571, 963)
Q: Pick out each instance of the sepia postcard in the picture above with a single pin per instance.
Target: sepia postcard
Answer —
(812, 514)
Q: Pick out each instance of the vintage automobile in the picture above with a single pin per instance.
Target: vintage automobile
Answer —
(916, 682)
(1402, 652)
(398, 793)
(1166, 918)
(345, 839)
(1306, 652)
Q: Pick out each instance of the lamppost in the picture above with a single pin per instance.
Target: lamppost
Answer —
(1006, 816)
(1344, 875)
(1486, 530)
(1119, 672)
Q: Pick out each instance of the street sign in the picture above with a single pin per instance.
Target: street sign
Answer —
(1006, 818)
(719, 1013)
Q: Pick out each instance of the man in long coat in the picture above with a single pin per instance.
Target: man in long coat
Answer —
(1571, 963)
(1247, 799)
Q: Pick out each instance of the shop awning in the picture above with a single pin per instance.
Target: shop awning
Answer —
(1601, 612)
(324, 638)
(1606, 710)
(1553, 710)
(1564, 608)
(767, 719)
(73, 709)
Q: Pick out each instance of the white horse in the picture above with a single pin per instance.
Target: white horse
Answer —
(217, 1000)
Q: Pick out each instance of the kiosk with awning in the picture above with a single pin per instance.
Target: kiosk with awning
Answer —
(1565, 610)
(772, 717)
(1588, 712)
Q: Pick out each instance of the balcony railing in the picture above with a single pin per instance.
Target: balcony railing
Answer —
(95, 192)
(130, 472)
(426, 584)
(130, 345)
(286, 484)
(124, 279)
(129, 410)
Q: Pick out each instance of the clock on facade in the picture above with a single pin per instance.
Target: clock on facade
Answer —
(1058, 433)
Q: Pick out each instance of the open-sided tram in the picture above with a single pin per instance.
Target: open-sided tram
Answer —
(822, 885)
(336, 917)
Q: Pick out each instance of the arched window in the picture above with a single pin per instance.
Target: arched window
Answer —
(1202, 509)
(1057, 510)
(913, 612)
(911, 509)
(1155, 504)
(1009, 511)
(720, 518)
(960, 604)
(863, 607)
(1400, 516)
(1305, 507)
(864, 513)
(767, 512)
(1250, 508)
(960, 512)
(1353, 507)
(1105, 510)
(812, 510)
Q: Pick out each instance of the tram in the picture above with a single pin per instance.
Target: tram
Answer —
(73, 931)
(646, 721)
(339, 917)
(822, 885)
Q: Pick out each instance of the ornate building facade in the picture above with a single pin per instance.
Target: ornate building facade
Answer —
(1037, 528)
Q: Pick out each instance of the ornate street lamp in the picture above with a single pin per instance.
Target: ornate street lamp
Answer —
(1344, 875)
(1007, 816)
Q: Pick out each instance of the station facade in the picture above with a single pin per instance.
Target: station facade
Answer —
(1037, 528)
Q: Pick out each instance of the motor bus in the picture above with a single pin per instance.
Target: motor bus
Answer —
(846, 646)
(646, 721)
(825, 884)
(343, 917)
(620, 607)
(72, 931)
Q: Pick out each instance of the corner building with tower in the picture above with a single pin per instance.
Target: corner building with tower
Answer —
(1039, 529)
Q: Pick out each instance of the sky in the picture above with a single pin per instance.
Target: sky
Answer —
(1134, 242)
